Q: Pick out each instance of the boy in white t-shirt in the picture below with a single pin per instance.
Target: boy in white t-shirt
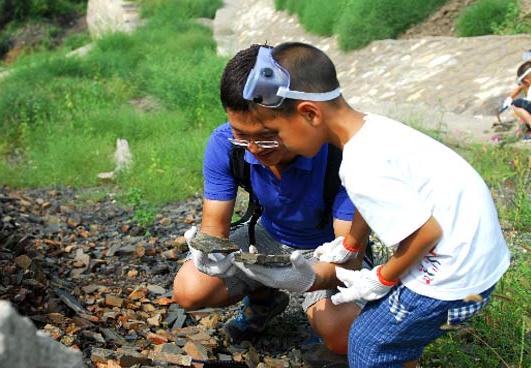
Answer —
(411, 190)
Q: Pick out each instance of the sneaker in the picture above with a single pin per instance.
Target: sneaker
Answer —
(253, 317)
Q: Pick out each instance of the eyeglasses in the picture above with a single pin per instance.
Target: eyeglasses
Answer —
(261, 144)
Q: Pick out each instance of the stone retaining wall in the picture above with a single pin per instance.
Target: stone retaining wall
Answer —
(111, 16)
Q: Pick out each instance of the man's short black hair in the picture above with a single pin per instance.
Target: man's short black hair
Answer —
(234, 77)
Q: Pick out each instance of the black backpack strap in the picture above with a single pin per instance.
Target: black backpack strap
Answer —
(241, 172)
(332, 182)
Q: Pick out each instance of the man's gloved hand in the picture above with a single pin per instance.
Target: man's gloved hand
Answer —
(363, 285)
(214, 264)
(298, 277)
(335, 251)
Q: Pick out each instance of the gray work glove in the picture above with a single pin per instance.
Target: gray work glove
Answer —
(298, 277)
(335, 251)
(213, 264)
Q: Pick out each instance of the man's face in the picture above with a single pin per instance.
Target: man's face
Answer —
(246, 128)
(298, 135)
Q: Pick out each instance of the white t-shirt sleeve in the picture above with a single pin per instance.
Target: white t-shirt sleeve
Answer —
(387, 200)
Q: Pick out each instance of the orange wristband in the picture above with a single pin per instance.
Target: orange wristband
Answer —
(384, 281)
(349, 247)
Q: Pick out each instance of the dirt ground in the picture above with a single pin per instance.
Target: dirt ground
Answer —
(441, 23)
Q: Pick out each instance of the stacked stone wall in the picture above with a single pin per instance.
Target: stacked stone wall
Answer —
(111, 16)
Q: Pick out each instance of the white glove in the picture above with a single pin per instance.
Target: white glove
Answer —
(298, 277)
(506, 103)
(334, 251)
(213, 264)
(361, 286)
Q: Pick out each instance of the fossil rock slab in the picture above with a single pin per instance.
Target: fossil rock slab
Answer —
(273, 260)
(211, 244)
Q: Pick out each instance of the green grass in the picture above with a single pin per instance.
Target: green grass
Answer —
(499, 335)
(60, 117)
(358, 21)
(484, 17)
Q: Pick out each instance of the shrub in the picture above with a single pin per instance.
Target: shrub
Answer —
(321, 19)
(365, 21)
(21, 10)
(201, 8)
(359, 21)
(482, 17)
(514, 22)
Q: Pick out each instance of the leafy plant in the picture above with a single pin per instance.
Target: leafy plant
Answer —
(484, 17)
(358, 21)
(514, 22)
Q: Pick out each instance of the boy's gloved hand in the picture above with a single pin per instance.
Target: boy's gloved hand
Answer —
(506, 103)
(298, 277)
(214, 264)
(363, 285)
(335, 251)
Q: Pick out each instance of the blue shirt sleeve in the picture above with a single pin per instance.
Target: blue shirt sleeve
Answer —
(218, 181)
(343, 208)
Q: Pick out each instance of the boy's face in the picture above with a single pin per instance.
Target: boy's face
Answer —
(246, 128)
(296, 132)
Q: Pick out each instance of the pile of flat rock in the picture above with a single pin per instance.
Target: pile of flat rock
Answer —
(97, 286)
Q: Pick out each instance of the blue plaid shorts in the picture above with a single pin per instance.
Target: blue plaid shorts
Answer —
(396, 329)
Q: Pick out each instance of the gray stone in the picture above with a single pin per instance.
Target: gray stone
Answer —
(22, 346)
(104, 16)
(273, 260)
(212, 244)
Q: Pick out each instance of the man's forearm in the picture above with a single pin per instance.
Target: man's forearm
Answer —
(325, 273)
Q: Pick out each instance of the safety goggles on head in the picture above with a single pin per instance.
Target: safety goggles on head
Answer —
(268, 84)
(261, 144)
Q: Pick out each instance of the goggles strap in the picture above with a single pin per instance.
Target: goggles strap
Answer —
(521, 78)
(310, 96)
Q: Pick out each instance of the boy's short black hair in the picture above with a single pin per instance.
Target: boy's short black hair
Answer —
(234, 77)
(310, 69)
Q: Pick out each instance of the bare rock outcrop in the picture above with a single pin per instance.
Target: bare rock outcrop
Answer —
(111, 16)
(22, 346)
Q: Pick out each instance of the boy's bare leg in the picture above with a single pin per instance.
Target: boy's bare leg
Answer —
(410, 364)
(524, 115)
(332, 323)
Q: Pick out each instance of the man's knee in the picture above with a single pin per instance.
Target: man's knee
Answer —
(194, 290)
(332, 323)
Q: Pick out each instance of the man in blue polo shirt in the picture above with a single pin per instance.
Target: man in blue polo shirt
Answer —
(290, 190)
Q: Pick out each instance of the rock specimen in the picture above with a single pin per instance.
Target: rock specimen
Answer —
(212, 244)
